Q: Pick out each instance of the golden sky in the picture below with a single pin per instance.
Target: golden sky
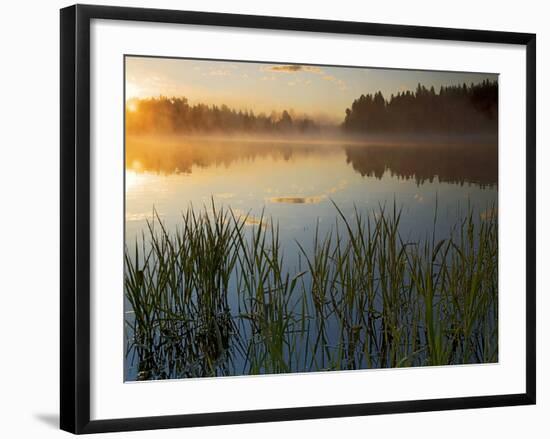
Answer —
(321, 92)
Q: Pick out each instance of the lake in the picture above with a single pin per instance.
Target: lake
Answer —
(294, 183)
(297, 185)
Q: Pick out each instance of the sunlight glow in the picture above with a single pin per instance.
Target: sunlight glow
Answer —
(132, 106)
(134, 178)
(132, 90)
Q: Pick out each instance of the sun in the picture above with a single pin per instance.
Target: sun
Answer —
(132, 105)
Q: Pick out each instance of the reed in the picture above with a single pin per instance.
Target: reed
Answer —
(215, 297)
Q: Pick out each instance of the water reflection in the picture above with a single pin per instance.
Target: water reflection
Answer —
(281, 194)
(450, 160)
(174, 154)
(297, 200)
(454, 163)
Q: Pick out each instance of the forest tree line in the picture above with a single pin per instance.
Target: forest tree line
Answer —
(454, 109)
(176, 115)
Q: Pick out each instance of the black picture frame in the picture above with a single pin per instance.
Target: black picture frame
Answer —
(75, 217)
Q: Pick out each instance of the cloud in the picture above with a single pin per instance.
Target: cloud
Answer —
(219, 72)
(295, 68)
(341, 84)
(292, 68)
(289, 68)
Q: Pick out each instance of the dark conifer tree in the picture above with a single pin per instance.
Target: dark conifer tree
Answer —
(455, 109)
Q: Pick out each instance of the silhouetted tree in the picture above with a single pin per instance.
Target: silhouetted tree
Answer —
(455, 109)
(175, 115)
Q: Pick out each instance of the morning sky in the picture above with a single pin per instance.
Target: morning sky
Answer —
(319, 91)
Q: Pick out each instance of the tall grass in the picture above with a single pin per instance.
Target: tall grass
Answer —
(214, 297)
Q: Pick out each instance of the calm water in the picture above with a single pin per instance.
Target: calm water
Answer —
(293, 183)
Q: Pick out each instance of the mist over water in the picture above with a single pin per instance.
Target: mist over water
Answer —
(293, 181)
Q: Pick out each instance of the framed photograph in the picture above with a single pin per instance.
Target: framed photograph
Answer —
(268, 218)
